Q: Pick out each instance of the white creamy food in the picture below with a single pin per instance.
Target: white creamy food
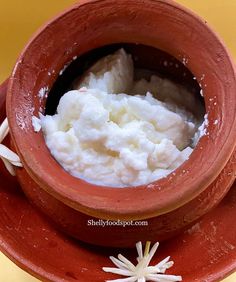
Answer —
(109, 138)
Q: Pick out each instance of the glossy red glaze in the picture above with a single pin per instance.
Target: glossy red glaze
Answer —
(197, 186)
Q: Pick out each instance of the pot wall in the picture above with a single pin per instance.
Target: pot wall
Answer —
(158, 228)
(160, 24)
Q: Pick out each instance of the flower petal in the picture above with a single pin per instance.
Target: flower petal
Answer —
(142, 272)
(8, 157)
(4, 130)
(139, 250)
(8, 166)
(119, 263)
(152, 252)
(118, 271)
(18, 164)
(129, 279)
(152, 270)
(8, 154)
(164, 265)
(141, 279)
(163, 278)
(127, 262)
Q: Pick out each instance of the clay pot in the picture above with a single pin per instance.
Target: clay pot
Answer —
(171, 203)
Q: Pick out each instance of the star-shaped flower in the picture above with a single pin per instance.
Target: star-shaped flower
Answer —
(8, 157)
(142, 272)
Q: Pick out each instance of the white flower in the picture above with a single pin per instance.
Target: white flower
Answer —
(8, 157)
(142, 272)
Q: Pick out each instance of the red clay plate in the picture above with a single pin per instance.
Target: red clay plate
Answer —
(206, 252)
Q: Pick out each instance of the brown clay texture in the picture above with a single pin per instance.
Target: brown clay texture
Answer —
(173, 202)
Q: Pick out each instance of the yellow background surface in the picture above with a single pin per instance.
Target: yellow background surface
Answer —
(20, 18)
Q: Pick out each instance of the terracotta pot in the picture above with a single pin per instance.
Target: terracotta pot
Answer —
(173, 202)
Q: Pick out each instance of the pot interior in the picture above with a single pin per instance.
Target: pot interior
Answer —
(147, 61)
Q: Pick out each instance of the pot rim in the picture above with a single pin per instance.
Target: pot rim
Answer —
(112, 203)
